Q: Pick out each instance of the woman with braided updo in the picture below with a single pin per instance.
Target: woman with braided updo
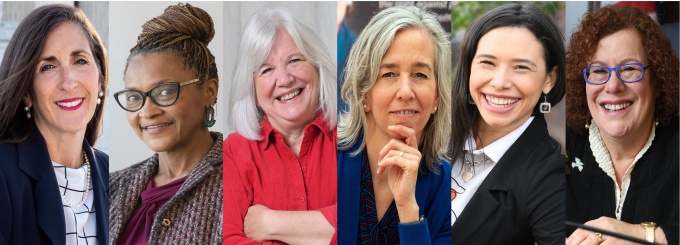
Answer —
(171, 84)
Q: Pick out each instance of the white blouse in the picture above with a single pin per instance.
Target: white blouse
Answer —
(81, 222)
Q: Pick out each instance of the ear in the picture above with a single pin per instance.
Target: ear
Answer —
(436, 101)
(550, 80)
(27, 100)
(211, 88)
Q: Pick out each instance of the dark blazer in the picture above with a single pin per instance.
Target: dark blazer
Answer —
(32, 211)
(653, 194)
(521, 201)
(432, 194)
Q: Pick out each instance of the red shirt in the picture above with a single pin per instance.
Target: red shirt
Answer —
(267, 172)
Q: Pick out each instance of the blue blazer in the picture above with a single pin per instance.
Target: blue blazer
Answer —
(433, 194)
(30, 204)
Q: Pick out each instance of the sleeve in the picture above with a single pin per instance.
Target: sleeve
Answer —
(546, 200)
(331, 214)
(6, 214)
(671, 232)
(237, 199)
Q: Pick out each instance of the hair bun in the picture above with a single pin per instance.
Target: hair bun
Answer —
(178, 23)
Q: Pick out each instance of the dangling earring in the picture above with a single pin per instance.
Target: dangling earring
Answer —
(209, 116)
(545, 106)
(28, 112)
(470, 100)
(99, 100)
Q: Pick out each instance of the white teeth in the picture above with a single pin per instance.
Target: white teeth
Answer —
(500, 102)
(157, 126)
(405, 112)
(290, 96)
(616, 107)
(70, 104)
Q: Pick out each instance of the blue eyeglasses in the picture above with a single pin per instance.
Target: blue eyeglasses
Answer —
(627, 73)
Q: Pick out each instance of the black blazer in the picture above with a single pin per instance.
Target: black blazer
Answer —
(31, 210)
(653, 194)
(521, 201)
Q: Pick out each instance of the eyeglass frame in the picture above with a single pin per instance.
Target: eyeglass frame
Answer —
(148, 94)
(615, 70)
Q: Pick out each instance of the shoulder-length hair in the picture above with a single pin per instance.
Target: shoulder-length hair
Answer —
(508, 15)
(256, 43)
(663, 62)
(17, 71)
(362, 69)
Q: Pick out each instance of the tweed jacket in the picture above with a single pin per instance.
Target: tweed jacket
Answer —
(192, 216)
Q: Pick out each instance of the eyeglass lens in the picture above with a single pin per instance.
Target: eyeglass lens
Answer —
(627, 73)
(162, 95)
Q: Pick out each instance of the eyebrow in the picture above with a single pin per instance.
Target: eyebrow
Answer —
(154, 84)
(624, 61)
(74, 53)
(417, 64)
(520, 60)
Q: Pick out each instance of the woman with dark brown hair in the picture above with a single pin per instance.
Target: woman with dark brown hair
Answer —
(175, 196)
(53, 184)
(622, 137)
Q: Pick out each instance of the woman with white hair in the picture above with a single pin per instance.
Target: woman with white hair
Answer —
(280, 164)
(393, 174)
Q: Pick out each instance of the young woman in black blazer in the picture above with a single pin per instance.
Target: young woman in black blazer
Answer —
(507, 179)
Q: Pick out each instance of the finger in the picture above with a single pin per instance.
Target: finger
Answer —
(407, 134)
(577, 237)
(398, 146)
(408, 162)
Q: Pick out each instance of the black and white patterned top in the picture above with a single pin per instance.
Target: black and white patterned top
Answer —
(81, 225)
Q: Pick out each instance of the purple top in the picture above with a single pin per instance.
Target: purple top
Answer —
(138, 228)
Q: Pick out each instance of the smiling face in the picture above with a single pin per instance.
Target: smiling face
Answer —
(507, 78)
(405, 91)
(287, 85)
(168, 128)
(621, 109)
(66, 84)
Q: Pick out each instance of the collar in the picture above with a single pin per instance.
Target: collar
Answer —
(497, 149)
(269, 132)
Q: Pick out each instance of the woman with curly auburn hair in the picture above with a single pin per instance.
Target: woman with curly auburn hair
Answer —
(622, 173)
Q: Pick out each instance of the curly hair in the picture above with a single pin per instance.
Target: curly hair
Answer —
(183, 29)
(604, 22)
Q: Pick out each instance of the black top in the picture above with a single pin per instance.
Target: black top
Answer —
(652, 194)
(521, 201)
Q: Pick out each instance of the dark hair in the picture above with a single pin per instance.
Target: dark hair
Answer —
(17, 71)
(185, 30)
(509, 15)
(603, 22)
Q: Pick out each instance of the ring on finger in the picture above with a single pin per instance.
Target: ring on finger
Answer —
(599, 237)
(401, 154)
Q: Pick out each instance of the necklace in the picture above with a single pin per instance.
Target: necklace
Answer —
(87, 187)
(469, 170)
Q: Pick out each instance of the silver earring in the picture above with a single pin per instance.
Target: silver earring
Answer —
(28, 112)
(545, 106)
(99, 100)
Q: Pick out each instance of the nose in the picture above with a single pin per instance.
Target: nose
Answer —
(284, 77)
(500, 79)
(149, 109)
(68, 80)
(614, 84)
(405, 89)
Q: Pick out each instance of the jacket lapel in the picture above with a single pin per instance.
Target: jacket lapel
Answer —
(349, 176)
(35, 163)
(100, 184)
(500, 179)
